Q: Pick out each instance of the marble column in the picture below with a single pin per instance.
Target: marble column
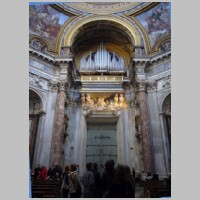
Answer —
(57, 141)
(145, 127)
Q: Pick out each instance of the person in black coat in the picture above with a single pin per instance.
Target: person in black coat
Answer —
(98, 182)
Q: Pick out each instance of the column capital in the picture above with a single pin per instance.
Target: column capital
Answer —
(151, 87)
(62, 85)
(53, 86)
(141, 85)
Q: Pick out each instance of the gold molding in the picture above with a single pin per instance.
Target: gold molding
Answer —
(144, 34)
(61, 33)
(143, 9)
(68, 38)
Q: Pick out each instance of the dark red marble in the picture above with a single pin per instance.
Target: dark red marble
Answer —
(56, 149)
(146, 140)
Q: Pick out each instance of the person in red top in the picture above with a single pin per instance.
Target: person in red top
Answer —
(44, 173)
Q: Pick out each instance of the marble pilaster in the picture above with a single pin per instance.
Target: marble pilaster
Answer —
(57, 141)
(145, 127)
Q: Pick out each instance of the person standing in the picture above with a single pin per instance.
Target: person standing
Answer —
(130, 182)
(98, 182)
(88, 181)
(107, 178)
(65, 185)
(74, 182)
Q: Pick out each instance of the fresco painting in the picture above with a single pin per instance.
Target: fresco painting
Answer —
(37, 44)
(45, 22)
(157, 22)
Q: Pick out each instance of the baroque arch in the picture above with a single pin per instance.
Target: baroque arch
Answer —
(162, 98)
(40, 95)
(71, 32)
(166, 108)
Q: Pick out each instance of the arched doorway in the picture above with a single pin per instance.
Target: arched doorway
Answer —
(35, 107)
(166, 108)
(167, 113)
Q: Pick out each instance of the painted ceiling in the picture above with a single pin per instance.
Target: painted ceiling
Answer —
(47, 21)
(157, 22)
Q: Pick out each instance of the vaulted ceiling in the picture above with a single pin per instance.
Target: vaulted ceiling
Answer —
(106, 31)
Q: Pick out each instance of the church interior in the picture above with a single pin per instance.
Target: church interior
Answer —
(100, 85)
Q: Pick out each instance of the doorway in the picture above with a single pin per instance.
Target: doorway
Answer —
(101, 143)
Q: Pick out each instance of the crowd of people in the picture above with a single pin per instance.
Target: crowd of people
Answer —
(114, 182)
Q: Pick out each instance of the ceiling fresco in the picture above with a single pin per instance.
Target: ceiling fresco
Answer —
(157, 22)
(46, 22)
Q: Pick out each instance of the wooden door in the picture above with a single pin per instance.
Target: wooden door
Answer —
(101, 143)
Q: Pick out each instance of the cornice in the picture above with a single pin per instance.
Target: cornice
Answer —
(47, 57)
(152, 59)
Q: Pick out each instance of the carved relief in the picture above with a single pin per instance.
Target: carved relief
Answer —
(112, 103)
(37, 81)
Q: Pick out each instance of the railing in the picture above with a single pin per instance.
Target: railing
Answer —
(102, 78)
